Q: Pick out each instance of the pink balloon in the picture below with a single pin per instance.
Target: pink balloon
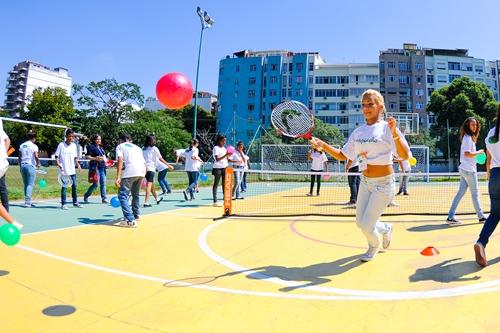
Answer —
(326, 177)
(230, 149)
(144, 183)
(174, 90)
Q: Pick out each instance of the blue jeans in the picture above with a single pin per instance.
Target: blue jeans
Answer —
(353, 184)
(244, 182)
(193, 181)
(238, 177)
(373, 196)
(73, 192)
(129, 186)
(492, 220)
(467, 179)
(102, 183)
(165, 186)
(28, 173)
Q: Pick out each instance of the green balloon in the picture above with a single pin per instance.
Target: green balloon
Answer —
(481, 158)
(42, 183)
(9, 234)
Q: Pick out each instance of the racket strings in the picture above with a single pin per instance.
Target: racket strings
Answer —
(292, 119)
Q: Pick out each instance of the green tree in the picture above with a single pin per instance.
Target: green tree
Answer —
(50, 105)
(169, 131)
(454, 103)
(424, 138)
(104, 106)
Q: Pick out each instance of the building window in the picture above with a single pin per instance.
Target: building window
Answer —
(272, 92)
(299, 66)
(236, 81)
(404, 79)
(442, 79)
(237, 69)
(253, 68)
(403, 66)
(392, 106)
(479, 69)
(453, 77)
(392, 78)
(274, 67)
(441, 65)
(251, 93)
(419, 92)
(298, 92)
(454, 66)
(391, 64)
(381, 65)
(310, 79)
(430, 79)
(430, 91)
(251, 107)
(299, 79)
(290, 67)
(418, 79)
(273, 79)
(419, 66)
(235, 107)
(311, 66)
(419, 106)
(251, 80)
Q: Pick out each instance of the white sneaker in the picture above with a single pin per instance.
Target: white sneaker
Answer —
(218, 204)
(17, 225)
(392, 204)
(64, 207)
(453, 221)
(386, 238)
(127, 224)
(369, 255)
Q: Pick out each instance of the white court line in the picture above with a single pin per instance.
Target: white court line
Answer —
(377, 294)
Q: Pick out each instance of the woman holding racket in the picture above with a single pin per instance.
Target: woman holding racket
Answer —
(493, 171)
(469, 132)
(67, 157)
(28, 162)
(373, 145)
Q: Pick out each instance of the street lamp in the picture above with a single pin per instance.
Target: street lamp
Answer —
(206, 22)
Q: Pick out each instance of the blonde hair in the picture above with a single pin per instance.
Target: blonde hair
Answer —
(377, 96)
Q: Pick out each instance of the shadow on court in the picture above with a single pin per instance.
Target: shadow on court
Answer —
(450, 271)
(432, 227)
(312, 275)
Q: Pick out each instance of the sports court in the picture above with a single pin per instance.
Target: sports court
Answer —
(182, 271)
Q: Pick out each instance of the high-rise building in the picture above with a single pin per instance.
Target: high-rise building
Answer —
(337, 93)
(252, 83)
(402, 80)
(27, 76)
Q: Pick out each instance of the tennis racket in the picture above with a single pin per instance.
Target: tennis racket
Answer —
(293, 119)
(41, 171)
(64, 180)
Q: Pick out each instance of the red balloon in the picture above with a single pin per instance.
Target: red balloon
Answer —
(174, 90)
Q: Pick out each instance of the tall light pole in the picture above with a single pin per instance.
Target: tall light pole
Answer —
(206, 22)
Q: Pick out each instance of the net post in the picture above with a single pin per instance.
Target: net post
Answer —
(228, 192)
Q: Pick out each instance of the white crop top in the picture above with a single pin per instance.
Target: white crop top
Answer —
(373, 144)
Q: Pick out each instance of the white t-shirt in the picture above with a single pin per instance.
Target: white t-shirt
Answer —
(219, 152)
(493, 149)
(237, 160)
(66, 155)
(160, 166)
(318, 160)
(190, 164)
(134, 164)
(375, 141)
(467, 163)
(28, 150)
(406, 163)
(151, 154)
(3, 150)
(179, 152)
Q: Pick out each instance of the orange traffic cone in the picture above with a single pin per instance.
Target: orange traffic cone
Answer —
(429, 251)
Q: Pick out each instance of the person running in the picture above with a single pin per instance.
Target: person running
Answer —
(469, 132)
(352, 166)
(162, 169)
(66, 158)
(151, 154)
(130, 171)
(493, 172)
(220, 156)
(238, 163)
(97, 167)
(28, 162)
(374, 144)
(319, 162)
(192, 167)
(404, 167)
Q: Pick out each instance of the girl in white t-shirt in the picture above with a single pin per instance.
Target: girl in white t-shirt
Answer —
(220, 156)
(469, 132)
(373, 144)
(404, 167)
(238, 162)
(319, 163)
(192, 167)
(493, 171)
(151, 155)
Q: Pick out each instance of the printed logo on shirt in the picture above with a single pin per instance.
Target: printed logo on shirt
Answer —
(128, 145)
(24, 146)
(372, 139)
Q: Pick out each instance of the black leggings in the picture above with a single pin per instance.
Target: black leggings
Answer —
(218, 175)
(318, 181)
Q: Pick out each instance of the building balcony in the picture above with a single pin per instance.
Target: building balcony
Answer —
(20, 83)
(13, 72)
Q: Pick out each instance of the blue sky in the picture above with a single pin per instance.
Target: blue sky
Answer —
(139, 41)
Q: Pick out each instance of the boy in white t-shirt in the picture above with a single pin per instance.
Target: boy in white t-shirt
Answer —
(29, 161)
(319, 162)
(67, 157)
(130, 171)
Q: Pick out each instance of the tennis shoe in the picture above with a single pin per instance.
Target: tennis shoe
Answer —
(369, 255)
(480, 255)
(387, 237)
(453, 221)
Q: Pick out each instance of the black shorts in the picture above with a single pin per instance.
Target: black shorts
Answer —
(150, 176)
